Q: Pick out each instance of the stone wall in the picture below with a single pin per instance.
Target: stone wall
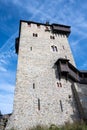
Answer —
(40, 97)
(3, 121)
(82, 92)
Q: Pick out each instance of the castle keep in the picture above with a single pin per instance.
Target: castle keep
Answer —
(49, 87)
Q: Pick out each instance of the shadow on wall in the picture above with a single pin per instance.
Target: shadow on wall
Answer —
(78, 100)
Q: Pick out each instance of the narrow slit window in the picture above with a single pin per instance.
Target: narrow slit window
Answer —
(53, 48)
(33, 85)
(56, 48)
(60, 84)
(38, 104)
(31, 48)
(29, 24)
(61, 106)
(57, 84)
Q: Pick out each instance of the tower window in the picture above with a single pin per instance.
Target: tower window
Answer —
(35, 35)
(38, 25)
(59, 84)
(29, 24)
(31, 48)
(69, 96)
(61, 106)
(38, 104)
(54, 48)
(33, 85)
(52, 37)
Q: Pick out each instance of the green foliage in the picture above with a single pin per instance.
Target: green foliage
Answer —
(67, 126)
(12, 129)
(39, 127)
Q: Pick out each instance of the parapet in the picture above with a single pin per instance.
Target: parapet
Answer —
(55, 29)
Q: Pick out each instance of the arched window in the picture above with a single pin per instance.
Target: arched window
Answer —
(54, 48)
(35, 35)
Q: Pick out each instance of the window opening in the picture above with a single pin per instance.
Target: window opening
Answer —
(33, 85)
(53, 48)
(56, 48)
(38, 104)
(35, 35)
(31, 48)
(52, 37)
(61, 106)
(57, 84)
(60, 84)
(38, 25)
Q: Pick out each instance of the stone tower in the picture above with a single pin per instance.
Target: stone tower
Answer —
(45, 76)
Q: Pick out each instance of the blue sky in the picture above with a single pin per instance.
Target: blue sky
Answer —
(68, 12)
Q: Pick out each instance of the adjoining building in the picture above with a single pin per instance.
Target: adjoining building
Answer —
(49, 87)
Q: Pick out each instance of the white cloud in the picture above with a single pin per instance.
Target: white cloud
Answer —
(6, 103)
(61, 11)
(8, 88)
(84, 65)
(6, 108)
(2, 69)
(3, 61)
(6, 99)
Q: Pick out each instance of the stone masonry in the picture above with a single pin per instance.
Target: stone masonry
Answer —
(3, 121)
(40, 97)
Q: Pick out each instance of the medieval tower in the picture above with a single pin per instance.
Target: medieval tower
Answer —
(47, 79)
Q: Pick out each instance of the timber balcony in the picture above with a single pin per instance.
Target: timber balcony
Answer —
(61, 29)
(67, 70)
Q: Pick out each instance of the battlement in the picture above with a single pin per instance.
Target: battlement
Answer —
(53, 28)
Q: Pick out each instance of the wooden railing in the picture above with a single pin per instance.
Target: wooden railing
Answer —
(61, 29)
(65, 68)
